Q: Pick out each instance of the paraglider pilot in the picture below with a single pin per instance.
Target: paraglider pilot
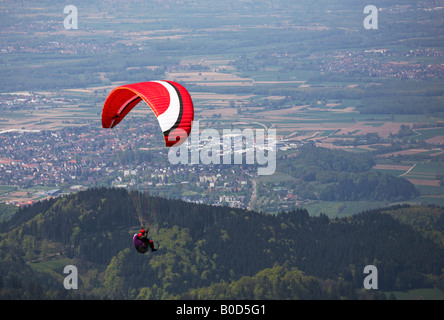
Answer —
(142, 243)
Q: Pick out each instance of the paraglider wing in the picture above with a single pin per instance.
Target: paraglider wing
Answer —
(170, 102)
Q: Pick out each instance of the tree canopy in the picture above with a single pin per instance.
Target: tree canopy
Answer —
(214, 252)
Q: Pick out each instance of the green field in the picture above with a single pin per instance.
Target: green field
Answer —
(6, 189)
(417, 294)
(338, 209)
(429, 133)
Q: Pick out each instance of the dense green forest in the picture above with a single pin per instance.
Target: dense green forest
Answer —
(210, 252)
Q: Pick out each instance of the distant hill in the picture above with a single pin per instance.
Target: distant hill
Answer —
(208, 252)
(338, 175)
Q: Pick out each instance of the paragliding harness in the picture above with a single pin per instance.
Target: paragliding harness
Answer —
(140, 240)
(142, 243)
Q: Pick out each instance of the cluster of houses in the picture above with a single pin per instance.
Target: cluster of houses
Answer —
(369, 63)
(74, 158)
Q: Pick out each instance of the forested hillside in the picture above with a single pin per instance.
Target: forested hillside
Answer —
(326, 174)
(208, 252)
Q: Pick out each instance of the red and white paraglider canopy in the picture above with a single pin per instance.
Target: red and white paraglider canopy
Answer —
(170, 102)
